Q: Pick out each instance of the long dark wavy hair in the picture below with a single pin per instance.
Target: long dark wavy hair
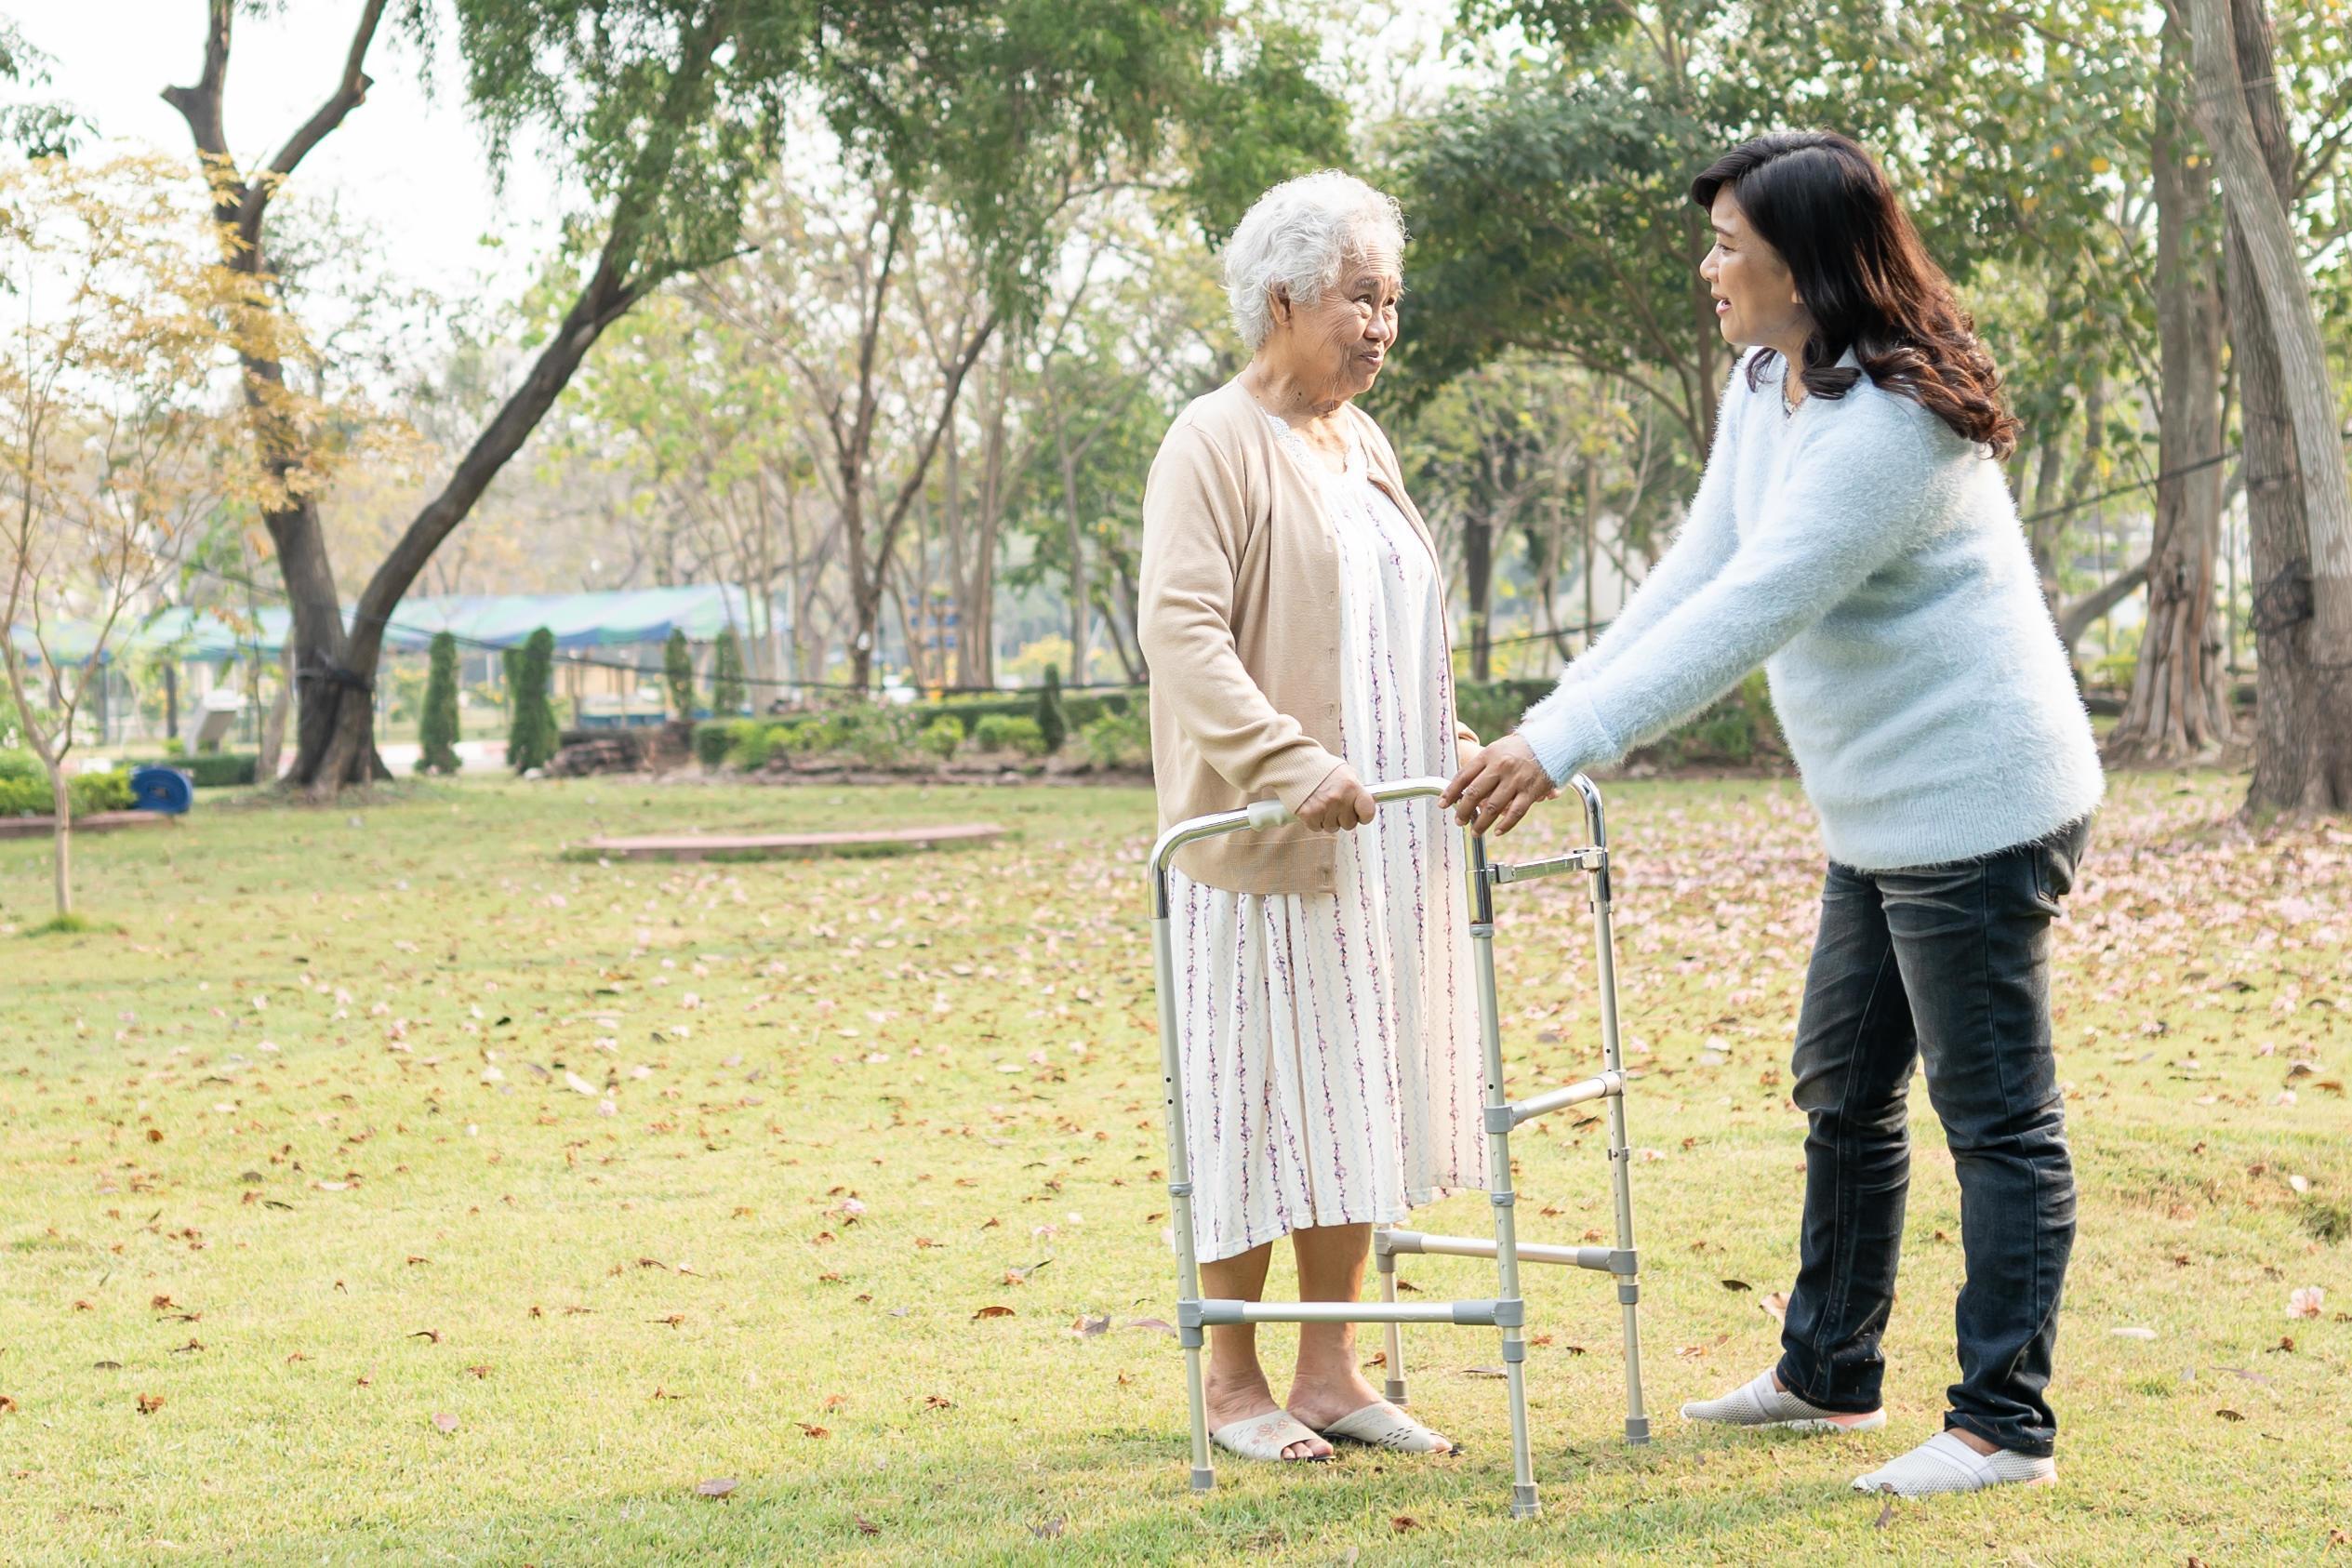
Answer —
(1825, 205)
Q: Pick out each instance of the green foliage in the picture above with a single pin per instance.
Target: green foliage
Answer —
(1052, 727)
(18, 766)
(713, 739)
(752, 742)
(1010, 732)
(532, 737)
(940, 737)
(220, 770)
(437, 730)
(85, 793)
(1119, 739)
(877, 734)
(677, 675)
(726, 673)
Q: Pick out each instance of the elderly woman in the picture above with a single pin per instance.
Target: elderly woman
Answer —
(1293, 614)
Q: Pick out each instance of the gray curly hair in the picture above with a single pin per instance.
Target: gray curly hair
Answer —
(1299, 236)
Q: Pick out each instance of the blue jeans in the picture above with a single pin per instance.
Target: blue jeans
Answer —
(1948, 965)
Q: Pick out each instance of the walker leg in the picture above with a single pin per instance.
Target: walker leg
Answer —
(1180, 1191)
(1510, 1307)
(1636, 1419)
(1394, 1392)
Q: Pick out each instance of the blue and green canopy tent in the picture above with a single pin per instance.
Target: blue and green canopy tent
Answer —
(616, 618)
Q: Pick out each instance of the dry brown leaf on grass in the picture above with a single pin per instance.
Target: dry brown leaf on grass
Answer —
(938, 1402)
(992, 1312)
(810, 1428)
(718, 1486)
(150, 1403)
(1084, 1327)
(866, 1526)
(445, 1422)
(1736, 1284)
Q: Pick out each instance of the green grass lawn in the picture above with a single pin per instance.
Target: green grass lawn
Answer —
(395, 1188)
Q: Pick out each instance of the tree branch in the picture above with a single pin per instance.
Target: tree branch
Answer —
(349, 93)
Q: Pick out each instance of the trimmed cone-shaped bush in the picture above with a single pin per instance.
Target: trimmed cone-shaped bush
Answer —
(1052, 727)
(727, 674)
(677, 673)
(438, 729)
(532, 739)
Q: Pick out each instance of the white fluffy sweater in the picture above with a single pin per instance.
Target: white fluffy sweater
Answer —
(1871, 560)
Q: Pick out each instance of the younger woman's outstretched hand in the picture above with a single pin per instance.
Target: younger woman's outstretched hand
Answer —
(1498, 786)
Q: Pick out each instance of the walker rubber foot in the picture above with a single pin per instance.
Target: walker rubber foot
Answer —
(1524, 1503)
(1395, 1392)
(1203, 1480)
(1638, 1431)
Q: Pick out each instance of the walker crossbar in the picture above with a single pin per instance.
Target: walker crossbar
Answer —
(1485, 1314)
(1507, 1310)
(1607, 1260)
(1607, 1083)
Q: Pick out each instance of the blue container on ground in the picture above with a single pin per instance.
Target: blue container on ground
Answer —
(162, 788)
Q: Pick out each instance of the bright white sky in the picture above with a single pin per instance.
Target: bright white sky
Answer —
(410, 166)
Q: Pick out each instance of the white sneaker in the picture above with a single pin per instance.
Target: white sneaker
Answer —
(1945, 1464)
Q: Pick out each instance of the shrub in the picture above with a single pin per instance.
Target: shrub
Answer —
(17, 767)
(876, 734)
(85, 793)
(727, 674)
(1119, 739)
(1052, 729)
(941, 737)
(220, 770)
(712, 740)
(438, 728)
(752, 742)
(531, 740)
(1010, 732)
(677, 673)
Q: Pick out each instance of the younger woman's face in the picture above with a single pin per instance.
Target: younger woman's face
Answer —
(1755, 297)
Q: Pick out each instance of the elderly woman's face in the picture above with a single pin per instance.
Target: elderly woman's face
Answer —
(1344, 337)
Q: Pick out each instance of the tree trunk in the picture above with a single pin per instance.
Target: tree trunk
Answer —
(2176, 708)
(1081, 592)
(2302, 597)
(1478, 575)
(61, 839)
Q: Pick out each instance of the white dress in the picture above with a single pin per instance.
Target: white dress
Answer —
(1329, 1040)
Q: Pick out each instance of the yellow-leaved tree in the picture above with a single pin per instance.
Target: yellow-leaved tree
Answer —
(119, 420)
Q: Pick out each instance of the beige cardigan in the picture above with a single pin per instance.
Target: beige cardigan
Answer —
(1238, 619)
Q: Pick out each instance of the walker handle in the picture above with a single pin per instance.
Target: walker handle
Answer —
(1268, 814)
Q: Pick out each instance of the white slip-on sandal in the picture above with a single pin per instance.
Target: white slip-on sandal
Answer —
(1265, 1437)
(1758, 1404)
(1382, 1424)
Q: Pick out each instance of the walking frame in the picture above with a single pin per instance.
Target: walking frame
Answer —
(1507, 1310)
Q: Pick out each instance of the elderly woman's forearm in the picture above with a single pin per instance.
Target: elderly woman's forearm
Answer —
(1199, 677)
